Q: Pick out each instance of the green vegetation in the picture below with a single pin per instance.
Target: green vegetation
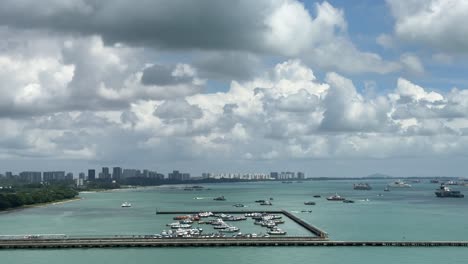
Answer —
(31, 194)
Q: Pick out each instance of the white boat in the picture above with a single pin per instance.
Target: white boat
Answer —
(399, 184)
(276, 231)
(230, 229)
(336, 197)
(126, 204)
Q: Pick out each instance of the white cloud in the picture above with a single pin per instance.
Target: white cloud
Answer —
(412, 63)
(441, 24)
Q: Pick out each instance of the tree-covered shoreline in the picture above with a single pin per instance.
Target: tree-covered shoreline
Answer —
(18, 196)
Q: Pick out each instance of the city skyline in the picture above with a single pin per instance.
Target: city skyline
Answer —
(332, 88)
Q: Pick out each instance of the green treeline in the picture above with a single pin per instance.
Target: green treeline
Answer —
(34, 194)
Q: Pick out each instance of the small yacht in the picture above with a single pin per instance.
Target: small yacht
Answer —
(276, 231)
(126, 204)
(336, 197)
(230, 229)
(399, 184)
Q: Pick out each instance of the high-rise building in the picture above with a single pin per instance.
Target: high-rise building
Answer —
(31, 176)
(81, 176)
(49, 176)
(177, 176)
(300, 175)
(91, 175)
(69, 176)
(130, 173)
(274, 175)
(105, 173)
(9, 174)
(116, 173)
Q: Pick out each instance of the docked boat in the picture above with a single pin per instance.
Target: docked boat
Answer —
(399, 184)
(266, 203)
(309, 203)
(239, 205)
(317, 196)
(445, 192)
(362, 186)
(386, 189)
(276, 231)
(220, 198)
(335, 197)
(126, 204)
(434, 181)
(230, 229)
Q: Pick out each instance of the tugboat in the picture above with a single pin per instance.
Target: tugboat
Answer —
(335, 197)
(362, 186)
(445, 192)
(220, 198)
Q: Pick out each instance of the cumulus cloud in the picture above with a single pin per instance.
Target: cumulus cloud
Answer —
(178, 109)
(278, 28)
(439, 24)
(412, 63)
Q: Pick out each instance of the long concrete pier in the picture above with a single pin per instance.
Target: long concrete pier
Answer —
(212, 242)
(314, 230)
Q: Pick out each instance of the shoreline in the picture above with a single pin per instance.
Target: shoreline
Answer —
(24, 207)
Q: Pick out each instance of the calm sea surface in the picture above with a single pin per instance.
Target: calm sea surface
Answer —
(402, 214)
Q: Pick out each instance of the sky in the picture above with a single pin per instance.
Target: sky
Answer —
(332, 88)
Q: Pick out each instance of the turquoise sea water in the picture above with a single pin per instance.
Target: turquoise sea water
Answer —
(403, 214)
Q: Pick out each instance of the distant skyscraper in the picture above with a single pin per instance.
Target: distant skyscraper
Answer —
(81, 176)
(91, 175)
(31, 176)
(49, 176)
(105, 173)
(177, 176)
(300, 175)
(274, 175)
(116, 173)
(69, 176)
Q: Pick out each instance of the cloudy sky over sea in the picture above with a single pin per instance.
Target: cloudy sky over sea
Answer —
(332, 88)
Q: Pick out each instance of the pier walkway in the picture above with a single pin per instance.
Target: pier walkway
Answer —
(212, 242)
